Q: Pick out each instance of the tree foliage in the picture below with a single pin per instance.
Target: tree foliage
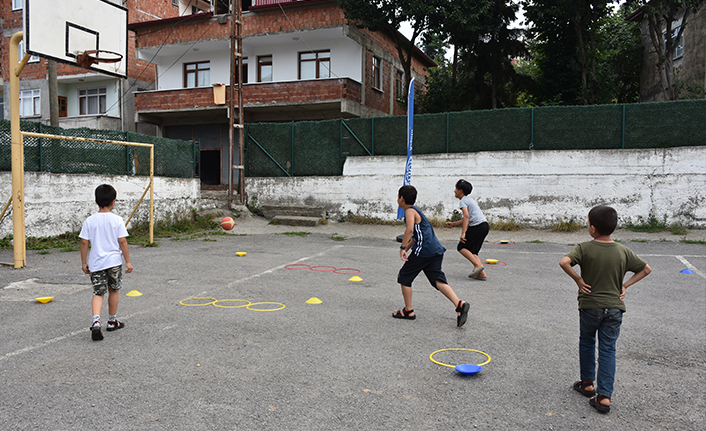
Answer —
(481, 74)
(661, 19)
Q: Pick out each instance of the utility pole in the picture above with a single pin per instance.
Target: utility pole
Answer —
(53, 94)
(237, 129)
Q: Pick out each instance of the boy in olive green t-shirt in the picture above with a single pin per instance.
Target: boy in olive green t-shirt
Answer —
(604, 264)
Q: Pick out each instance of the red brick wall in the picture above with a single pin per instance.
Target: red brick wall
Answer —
(262, 22)
(253, 94)
(146, 10)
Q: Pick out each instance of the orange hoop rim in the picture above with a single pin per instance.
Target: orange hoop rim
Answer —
(87, 58)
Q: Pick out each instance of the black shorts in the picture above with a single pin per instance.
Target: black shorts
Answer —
(414, 265)
(475, 236)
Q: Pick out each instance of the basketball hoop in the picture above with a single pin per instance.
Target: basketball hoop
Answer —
(88, 58)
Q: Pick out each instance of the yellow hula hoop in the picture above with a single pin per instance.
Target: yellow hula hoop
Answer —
(258, 303)
(215, 304)
(431, 357)
(213, 301)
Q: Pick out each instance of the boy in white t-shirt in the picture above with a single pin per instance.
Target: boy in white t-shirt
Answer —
(106, 234)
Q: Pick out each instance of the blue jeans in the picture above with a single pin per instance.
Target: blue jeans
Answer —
(607, 323)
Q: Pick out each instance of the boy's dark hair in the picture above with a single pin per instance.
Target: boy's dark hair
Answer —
(603, 218)
(465, 187)
(105, 194)
(409, 194)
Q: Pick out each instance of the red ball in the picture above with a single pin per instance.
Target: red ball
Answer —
(227, 223)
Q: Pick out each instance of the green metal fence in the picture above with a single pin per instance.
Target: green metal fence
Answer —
(172, 158)
(320, 148)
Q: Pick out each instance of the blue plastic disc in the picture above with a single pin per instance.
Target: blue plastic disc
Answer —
(468, 369)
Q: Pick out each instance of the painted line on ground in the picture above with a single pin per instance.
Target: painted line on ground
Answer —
(691, 267)
(69, 335)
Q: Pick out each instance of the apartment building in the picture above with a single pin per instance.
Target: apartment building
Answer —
(302, 60)
(85, 98)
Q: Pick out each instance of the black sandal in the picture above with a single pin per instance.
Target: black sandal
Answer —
(463, 309)
(596, 403)
(404, 314)
(580, 386)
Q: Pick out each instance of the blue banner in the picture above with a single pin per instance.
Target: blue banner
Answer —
(410, 134)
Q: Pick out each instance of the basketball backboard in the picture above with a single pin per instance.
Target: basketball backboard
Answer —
(62, 29)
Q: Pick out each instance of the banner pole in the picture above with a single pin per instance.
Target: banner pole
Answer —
(410, 137)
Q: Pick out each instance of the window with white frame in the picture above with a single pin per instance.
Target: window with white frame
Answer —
(377, 73)
(92, 101)
(314, 65)
(679, 47)
(17, 4)
(30, 103)
(264, 68)
(197, 74)
(21, 53)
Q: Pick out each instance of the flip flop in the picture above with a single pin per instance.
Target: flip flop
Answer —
(475, 272)
(475, 277)
(463, 309)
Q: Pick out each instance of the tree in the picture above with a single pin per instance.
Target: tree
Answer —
(387, 15)
(661, 17)
(619, 60)
(565, 33)
(481, 74)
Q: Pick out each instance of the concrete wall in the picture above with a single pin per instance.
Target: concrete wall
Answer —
(531, 187)
(535, 188)
(58, 203)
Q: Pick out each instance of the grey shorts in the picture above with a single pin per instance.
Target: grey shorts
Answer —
(107, 278)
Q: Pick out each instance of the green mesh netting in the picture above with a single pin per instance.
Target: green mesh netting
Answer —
(320, 148)
(665, 125)
(172, 158)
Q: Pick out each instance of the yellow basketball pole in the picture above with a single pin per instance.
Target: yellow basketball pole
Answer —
(19, 241)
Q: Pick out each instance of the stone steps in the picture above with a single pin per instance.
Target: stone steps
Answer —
(294, 215)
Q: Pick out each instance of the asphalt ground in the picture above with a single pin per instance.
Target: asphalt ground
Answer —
(344, 363)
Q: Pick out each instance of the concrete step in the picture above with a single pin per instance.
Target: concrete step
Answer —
(272, 211)
(218, 199)
(288, 220)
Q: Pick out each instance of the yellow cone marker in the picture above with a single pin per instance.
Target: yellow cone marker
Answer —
(314, 300)
(241, 253)
(133, 293)
(44, 299)
(355, 278)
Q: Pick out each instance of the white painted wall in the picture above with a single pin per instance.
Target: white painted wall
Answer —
(59, 203)
(346, 56)
(535, 188)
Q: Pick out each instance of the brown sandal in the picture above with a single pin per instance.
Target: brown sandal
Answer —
(404, 314)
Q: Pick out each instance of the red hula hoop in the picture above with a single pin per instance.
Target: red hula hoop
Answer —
(338, 271)
(333, 268)
(297, 266)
